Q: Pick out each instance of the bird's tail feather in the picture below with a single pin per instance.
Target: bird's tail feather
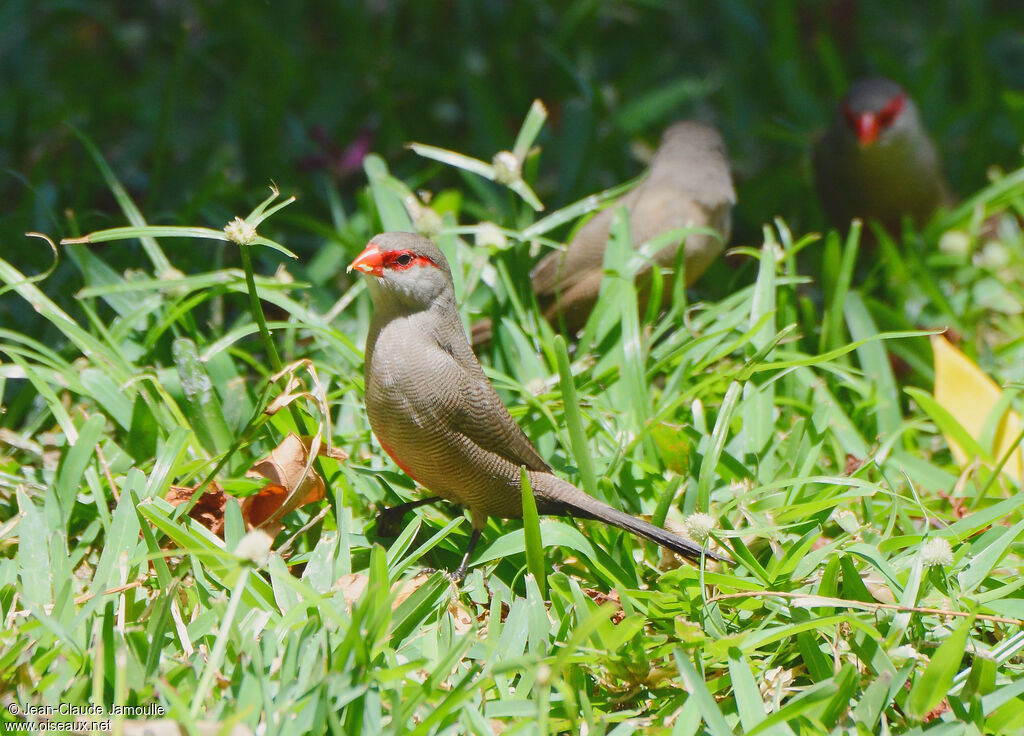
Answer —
(559, 496)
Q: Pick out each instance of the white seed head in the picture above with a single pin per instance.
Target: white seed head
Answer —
(239, 231)
(507, 169)
(699, 526)
(489, 235)
(543, 675)
(171, 274)
(936, 552)
(537, 386)
(255, 546)
(955, 243)
(427, 222)
(424, 218)
(993, 255)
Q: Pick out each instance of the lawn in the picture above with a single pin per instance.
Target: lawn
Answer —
(189, 487)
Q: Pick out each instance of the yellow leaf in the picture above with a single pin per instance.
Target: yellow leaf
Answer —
(966, 392)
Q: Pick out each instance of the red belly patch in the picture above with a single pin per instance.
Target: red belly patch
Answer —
(398, 462)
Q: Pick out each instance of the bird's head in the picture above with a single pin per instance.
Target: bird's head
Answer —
(876, 109)
(405, 271)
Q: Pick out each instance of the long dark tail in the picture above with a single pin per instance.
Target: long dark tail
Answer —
(556, 496)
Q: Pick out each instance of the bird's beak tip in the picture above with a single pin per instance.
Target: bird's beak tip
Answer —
(868, 128)
(369, 261)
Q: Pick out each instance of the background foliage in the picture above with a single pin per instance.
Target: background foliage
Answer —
(772, 402)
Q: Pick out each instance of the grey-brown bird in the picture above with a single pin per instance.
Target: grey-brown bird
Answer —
(688, 185)
(435, 412)
(876, 160)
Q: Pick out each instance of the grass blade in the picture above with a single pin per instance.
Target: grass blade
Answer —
(531, 528)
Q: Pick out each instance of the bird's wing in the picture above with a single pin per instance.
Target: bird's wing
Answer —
(481, 416)
(559, 271)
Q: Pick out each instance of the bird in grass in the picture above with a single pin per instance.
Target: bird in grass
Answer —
(435, 412)
(688, 185)
(876, 160)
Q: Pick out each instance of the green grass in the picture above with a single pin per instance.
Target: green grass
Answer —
(775, 409)
(788, 396)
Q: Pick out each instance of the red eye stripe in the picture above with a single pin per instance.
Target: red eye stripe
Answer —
(399, 260)
(891, 110)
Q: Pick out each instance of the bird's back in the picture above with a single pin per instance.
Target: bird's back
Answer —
(688, 185)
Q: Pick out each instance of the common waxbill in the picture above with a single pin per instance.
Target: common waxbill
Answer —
(876, 160)
(437, 415)
(688, 185)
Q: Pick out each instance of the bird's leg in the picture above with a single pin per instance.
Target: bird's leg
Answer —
(390, 517)
(460, 573)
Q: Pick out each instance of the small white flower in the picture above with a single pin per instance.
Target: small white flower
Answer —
(955, 243)
(255, 546)
(741, 486)
(936, 552)
(537, 386)
(170, 274)
(239, 231)
(489, 235)
(543, 675)
(507, 168)
(699, 526)
(993, 255)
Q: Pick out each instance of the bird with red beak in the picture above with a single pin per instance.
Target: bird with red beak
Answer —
(435, 412)
(876, 160)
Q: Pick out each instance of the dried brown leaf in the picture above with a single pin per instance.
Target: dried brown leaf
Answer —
(293, 480)
(407, 588)
(352, 587)
(462, 619)
(208, 510)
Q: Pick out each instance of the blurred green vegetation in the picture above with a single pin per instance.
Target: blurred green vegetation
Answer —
(778, 402)
(199, 104)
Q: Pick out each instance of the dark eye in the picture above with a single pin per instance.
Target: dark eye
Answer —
(404, 260)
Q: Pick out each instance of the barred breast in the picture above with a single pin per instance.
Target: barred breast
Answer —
(418, 405)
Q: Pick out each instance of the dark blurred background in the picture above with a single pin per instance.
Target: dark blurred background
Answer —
(199, 105)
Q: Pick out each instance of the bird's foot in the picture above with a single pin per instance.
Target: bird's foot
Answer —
(460, 572)
(455, 578)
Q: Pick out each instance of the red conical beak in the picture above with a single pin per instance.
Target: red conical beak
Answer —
(370, 261)
(867, 128)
